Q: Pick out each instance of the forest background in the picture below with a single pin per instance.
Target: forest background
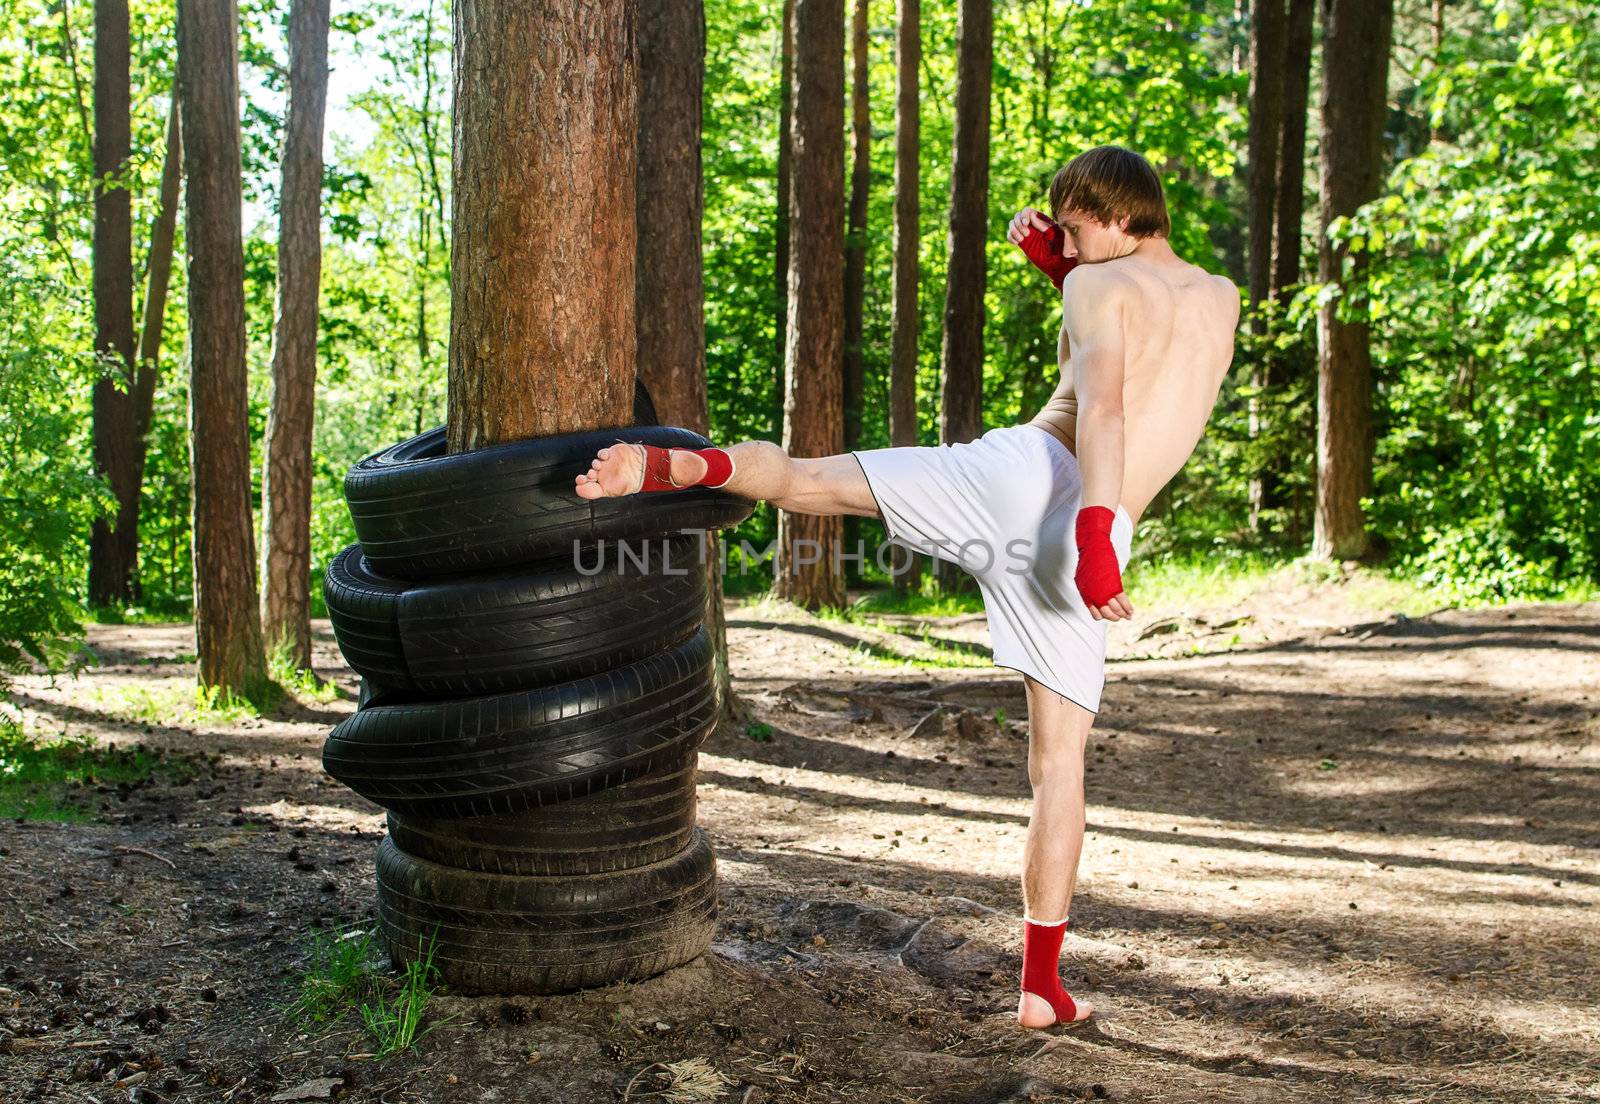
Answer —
(1482, 283)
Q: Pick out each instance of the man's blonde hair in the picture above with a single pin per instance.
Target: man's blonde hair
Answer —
(1109, 182)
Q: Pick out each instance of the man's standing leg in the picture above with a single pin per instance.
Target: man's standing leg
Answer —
(761, 471)
(1058, 732)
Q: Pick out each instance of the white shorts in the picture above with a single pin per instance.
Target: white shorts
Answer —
(1004, 509)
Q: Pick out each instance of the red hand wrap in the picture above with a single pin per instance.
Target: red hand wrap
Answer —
(1041, 968)
(1098, 577)
(1044, 249)
(658, 468)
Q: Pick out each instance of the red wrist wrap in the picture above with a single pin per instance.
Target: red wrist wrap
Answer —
(1098, 577)
(1044, 249)
(658, 468)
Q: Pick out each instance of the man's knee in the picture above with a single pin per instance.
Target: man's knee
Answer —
(1057, 767)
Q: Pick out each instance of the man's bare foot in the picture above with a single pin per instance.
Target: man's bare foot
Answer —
(619, 470)
(1034, 1011)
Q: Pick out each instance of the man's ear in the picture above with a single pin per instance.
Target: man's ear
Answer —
(1122, 223)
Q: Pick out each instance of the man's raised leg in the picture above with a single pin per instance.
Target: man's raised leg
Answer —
(1058, 732)
(761, 470)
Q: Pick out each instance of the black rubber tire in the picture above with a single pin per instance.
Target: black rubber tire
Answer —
(520, 628)
(364, 608)
(637, 823)
(506, 753)
(493, 933)
(420, 513)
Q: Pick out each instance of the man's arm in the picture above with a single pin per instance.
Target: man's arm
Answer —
(1095, 305)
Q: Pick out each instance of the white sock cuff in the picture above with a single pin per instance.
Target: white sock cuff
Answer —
(1046, 923)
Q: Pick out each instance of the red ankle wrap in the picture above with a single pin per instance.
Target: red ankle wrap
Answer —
(1041, 967)
(658, 468)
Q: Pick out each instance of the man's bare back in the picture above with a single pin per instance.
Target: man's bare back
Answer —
(1178, 328)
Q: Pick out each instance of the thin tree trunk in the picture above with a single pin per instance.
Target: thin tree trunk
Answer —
(158, 274)
(855, 255)
(286, 475)
(1268, 34)
(542, 255)
(1291, 201)
(785, 172)
(961, 386)
(113, 544)
(1355, 64)
(961, 397)
(806, 567)
(1268, 38)
(227, 625)
(904, 319)
(670, 278)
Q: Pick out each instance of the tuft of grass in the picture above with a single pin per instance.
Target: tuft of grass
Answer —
(343, 975)
(302, 682)
(340, 974)
(43, 779)
(396, 1025)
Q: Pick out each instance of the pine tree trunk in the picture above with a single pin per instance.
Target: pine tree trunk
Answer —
(780, 267)
(158, 276)
(1355, 64)
(669, 281)
(904, 321)
(227, 626)
(806, 567)
(113, 544)
(542, 258)
(961, 386)
(286, 475)
(1291, 202)
(961, 397)
(855, 255)
(670, 278)
(1268, 33)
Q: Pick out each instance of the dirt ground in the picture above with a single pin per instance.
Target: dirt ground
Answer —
(1332, 856)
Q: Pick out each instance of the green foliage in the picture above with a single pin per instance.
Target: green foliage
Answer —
(48, 493)
(1485, 305)
(1482, 286)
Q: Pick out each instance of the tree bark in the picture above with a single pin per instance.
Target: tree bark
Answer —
(1292, 148)
(806, 567)
(286, 475)
(1268, 38)
(113, 545)
(158, 276)
(671, 199)
(227, 627)
(961, 396)
(670, 276)
(1355, 63)
(904, 321)
(542, 259)
(785, 172)
(961, 386)
(855, 255)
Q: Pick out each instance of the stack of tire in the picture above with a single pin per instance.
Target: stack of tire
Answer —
(536, 681)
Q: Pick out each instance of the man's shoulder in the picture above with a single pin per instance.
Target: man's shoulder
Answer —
(1099, 282)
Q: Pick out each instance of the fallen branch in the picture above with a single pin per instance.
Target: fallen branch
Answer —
(123, 850)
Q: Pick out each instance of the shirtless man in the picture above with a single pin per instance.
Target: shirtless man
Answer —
(1146, 340)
